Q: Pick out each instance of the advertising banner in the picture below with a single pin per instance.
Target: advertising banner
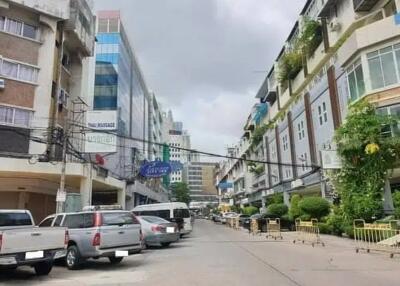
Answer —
(98, 142)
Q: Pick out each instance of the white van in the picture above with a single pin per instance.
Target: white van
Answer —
(174, 212)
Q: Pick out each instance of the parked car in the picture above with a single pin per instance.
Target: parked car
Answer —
(226, 215)
(98, 232)
(216, 218)
(173, 212)
(158, 231)
(243, 218)
(22, 243)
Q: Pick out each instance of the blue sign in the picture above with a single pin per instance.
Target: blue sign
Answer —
(225, 185)
(155, 169)
(176, 166)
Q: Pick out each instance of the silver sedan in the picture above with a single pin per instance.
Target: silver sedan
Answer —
(158, 231)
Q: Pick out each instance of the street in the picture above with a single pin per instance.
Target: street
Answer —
(217, 255)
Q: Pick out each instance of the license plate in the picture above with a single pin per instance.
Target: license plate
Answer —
(34, 255)
(170, 229)
(121, 253)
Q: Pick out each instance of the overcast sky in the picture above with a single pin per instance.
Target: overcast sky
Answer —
(206, 59)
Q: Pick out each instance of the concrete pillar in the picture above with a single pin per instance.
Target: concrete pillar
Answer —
(23, 198)
(121, 198)
(286, 198)
(323, 189)
(388, 206)
(86, 186)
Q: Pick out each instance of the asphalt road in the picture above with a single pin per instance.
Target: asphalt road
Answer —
(216, 255)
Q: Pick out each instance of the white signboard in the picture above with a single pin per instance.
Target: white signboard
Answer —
(102, 119)
(98, 142)
(61, 196)
(330, 160)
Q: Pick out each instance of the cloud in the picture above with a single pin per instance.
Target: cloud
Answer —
(201, 57)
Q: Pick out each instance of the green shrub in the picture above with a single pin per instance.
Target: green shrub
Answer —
(294, 211)
(305, 217)
(277, 209)
(396, 203)
(349, 230)
(250, 210)
(337, 222)
(324, 228)
(315, 207)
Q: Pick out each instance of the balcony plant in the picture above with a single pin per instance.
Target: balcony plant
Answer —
(258, 134)
(311, 36)
(256, 169)
(290, 65)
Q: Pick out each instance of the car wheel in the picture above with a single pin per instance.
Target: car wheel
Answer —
(165, 244)
(43, 268)
(115, 260)
(73, 257)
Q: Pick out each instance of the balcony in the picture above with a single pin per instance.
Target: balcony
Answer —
(80, 28)
(376, 30)
(364, 5)
(327, 7)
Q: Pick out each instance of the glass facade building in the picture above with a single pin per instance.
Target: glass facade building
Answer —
(118, 81)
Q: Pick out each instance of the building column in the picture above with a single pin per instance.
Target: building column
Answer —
(286, 198)
(121, 198)
(86, 186)
(23, 198)
(388, 206)
(323, 189)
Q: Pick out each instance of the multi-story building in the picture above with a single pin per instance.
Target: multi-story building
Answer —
(201, 182)
(178, 140)
(156, 129)
(45, 87)
(120, 86)
(342, 64)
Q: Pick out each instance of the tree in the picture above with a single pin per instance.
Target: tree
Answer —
(367, 157)
(314, 207)
(294, 211)
(180, 191)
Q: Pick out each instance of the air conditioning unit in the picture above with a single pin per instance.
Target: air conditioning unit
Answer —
(2, 84)
(335, 25)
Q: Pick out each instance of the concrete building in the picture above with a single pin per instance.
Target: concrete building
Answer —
(121, 87)
(156, 129)
(45, 48)
(201, 182)
(344, 65)
(176, 137)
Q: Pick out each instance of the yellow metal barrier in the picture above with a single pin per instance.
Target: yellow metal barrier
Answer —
(308, 231)
(254, 229)
(236, 223)
(274, 228)
(378, 236)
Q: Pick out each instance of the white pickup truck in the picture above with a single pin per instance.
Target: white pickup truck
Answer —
(22, 243)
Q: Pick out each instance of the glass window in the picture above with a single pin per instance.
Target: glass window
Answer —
(27, 73)
(15, 219)
(384, 67)
(9, 69)
(120, 218)
(47, 222)
(113, 26)
(102, 26)
(154, 219)
(58, 221)
(74, 221)
(6, 114)
(181, 213)
(30, 31)
(14, 27)
(355, 78)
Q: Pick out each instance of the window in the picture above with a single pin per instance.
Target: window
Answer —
(18, 71)
(300, 130)
(18, 28)
(15, 219)
(322, 114)
(355, 78)
(74, 221)
(15, 116)
(117, 218)
(384, 66)
(391, 130)
(14, 27)
(303, 159)
(181, 213)
(47, 222)
(58, 221)
(285, 143)
(29, 31)
(113, 26)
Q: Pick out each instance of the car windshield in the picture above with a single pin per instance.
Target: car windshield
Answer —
(153, 219)
(117, 218)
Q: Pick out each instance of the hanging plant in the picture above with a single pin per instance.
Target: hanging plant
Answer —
(290, 65)
(311, 36)
(366, 158)
(258, 134)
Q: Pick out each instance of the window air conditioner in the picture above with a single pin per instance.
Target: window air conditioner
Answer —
(2, 84)
(335, 26)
